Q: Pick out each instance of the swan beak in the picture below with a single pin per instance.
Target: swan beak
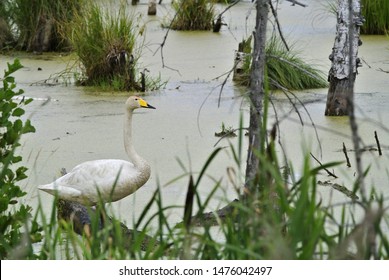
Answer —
(144, 104)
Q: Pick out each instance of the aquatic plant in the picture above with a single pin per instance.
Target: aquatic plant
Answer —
(376, 14)
(15, 239)
(284, 69)
(108, 44)
(246, 229)
(105, 43)
(37, 26)
(193, 15)
(286, 220)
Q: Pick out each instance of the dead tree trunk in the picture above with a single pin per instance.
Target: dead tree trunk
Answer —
(344, 58)
(256, 94)
(152, 8)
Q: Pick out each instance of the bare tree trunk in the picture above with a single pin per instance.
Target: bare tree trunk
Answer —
(344, 58)
(256, 95)
(152, 8)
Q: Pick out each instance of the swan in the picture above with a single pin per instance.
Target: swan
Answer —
(105, 180)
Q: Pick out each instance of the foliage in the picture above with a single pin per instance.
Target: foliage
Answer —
(6, 37)
(193, 15)
(38, 23)
(285, 69)
(376, 14)
(284, 219)
(106, 46)
(13, 214)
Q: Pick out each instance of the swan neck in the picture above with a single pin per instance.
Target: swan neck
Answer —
(128, 142)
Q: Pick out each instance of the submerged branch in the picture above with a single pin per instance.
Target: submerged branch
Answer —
(294, 2)
(81, 217)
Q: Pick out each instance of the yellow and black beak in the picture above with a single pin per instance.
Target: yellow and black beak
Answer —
(144, 104)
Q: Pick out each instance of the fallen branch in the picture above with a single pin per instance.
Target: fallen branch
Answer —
(81, 219)
(340, 188)
(345, 154)
(378, 143)
(213, 218)
(328, 172)
(294, 2)
(218, 23)
(382, 70)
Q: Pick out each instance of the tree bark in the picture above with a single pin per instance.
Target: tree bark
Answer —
(256, 94)
(152, 8)
(344, 58)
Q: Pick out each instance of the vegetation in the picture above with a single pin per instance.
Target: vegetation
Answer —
(282, 218)
(6, 36)
(106, 46)
(285, 69)
(193, 15)
(376, 14)
(284, 221)
(37, 25)
(15, 237)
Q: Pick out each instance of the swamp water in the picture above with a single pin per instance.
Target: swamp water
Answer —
(79, 124)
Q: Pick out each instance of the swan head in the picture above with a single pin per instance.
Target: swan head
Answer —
(135, 102)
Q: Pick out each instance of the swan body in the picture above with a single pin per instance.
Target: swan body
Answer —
(105, 180)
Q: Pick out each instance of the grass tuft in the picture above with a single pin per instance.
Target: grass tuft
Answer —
(285, 69)
(193, 15)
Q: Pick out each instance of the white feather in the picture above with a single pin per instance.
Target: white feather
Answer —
(106, 179)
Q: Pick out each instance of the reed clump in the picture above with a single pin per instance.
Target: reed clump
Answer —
(376, 15)
(37, 26)
(106, 45)
(285, 69)
(193, 15)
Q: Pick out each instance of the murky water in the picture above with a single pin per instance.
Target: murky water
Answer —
(79, 125)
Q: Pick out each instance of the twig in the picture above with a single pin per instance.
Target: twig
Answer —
(297, 3)
(161, 46)
(328, 172)
(286, 93)
(229, 7)
(378, 143)
(273, 10)
(382, 70)
(345, 154)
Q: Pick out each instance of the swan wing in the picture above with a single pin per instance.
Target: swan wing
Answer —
(108, 179)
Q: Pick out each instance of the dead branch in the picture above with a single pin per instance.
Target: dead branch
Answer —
(340, 188)
(294, 2)
(81, 219)
(162, 45)
(328, 172)
(274, 12)
(382, 70)
(378, 143)
(345, 154)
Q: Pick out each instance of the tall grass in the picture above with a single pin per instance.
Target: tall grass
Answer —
(193, 15)
(37, 24)
(284, 220)
(376, 14)
(285, 69)
(106, 46)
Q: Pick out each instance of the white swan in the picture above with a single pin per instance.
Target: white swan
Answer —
(105, 180)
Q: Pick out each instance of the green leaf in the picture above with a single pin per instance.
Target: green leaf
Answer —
(18, 112)
(28, 128)
(13, 67)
